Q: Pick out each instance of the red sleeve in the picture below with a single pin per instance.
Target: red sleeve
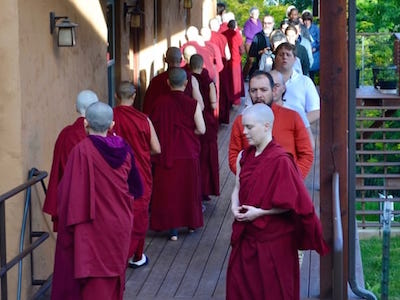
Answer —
(236, 143)
(304, 151)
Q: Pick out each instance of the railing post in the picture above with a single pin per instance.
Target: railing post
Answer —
(387, 215)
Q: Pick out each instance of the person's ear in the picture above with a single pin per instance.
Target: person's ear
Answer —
(86, 125)
(111, 126)
(274, 91)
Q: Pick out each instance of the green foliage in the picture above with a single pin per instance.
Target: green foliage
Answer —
(371, 252)
(241, 9)
(375, 16)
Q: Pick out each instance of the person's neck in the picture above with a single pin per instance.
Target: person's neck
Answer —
(260, 148)
(179, 88)
(279, 102)
(197, 71)
(286, 74)
(126, 102)
(91, 132)
(254, 20)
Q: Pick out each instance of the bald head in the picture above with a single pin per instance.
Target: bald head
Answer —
(125, 90)
(259, 113)
(84, 99)
(205, 33)
(214, 24)
(173, 56)
(177, 77)
(192, 33)
(188, 52)
(99, 117)
(196, 62)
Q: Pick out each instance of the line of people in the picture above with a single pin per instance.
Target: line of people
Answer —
(114, 166)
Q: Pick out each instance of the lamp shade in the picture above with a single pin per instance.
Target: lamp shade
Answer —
(66, 37)
(187, 4)
(136, 20)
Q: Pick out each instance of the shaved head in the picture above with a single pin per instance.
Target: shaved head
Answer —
(99, 116)
(259, 113)
(173, 56)
(192, 33)
(177, 77)
(205, 33)
(84, 99)
(188, 52)
(125, 90)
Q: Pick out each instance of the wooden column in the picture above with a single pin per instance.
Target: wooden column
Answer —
(333, 128)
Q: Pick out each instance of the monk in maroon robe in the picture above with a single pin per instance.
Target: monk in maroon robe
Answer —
(193, 39)
(176, 199)
(209, 146)
(235, 42)
(225, 87)
(95, 210)
(274, 217)
(159, 86)
(137, 129)
(66, 140)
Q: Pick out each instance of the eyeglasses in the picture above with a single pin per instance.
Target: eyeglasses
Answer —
(268, 23)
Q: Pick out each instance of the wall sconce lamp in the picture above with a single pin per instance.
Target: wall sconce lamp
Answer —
(187, 4)
(134, 15)
(66, 36)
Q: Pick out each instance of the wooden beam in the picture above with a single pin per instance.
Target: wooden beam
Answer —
(334, 128)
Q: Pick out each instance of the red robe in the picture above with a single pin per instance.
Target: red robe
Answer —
(264, 259)
(209, 146)
(225, 86)
(95, 219)
(176, 195)
(235, 43)
(158, 86)
(134, 127)
(66, 140)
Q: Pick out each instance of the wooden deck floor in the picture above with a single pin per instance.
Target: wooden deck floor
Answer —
(194, 267)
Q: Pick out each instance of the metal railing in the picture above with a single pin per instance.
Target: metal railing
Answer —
(337, 240)
(377, 162)
(38, 176)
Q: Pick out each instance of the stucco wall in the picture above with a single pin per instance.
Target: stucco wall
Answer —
(39, 83)
(10, 118)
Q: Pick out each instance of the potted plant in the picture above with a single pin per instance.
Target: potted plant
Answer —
(385, 78)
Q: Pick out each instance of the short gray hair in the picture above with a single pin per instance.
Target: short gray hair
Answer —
(99, 116)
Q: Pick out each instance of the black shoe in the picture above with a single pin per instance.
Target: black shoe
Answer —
(140, 263)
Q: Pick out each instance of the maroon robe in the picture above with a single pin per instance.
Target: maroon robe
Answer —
(159, 86)
(235, 43)
(95, 219)
(134, 127)
(264, 259)
(225, 90)
(176, 195)
(66, 140)
(209, 146)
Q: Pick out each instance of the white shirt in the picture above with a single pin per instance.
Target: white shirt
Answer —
(301, 95)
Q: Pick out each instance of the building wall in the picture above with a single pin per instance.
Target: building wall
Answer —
(39, 84)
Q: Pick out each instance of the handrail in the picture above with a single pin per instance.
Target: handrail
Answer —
(38, 176)
(337, 240)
